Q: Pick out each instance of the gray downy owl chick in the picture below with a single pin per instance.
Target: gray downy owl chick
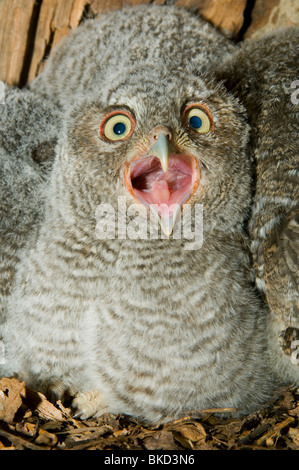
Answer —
(28, 133)
(143, 326)
(266, 88)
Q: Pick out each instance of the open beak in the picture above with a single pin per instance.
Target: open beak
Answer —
(163, 180)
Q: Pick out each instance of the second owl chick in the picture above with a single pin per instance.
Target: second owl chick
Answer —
(267, 90)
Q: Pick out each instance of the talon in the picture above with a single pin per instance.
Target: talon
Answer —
(77, 415)
(88, 404)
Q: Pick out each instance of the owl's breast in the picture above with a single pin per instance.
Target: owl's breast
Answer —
(171, 331)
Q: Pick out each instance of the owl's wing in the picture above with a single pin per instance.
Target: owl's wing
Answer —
(29, 128)
(264, 75)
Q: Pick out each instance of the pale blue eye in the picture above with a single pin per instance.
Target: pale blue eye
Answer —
(195, 122)
(119, 128)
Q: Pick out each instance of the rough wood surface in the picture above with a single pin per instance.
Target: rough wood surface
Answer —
(227, 15)
(15, 30)
(272, 14)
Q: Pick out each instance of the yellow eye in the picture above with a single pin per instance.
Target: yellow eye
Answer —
(117, 126)
(197, 119)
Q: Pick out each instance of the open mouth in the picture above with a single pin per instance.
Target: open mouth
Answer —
(163, 192)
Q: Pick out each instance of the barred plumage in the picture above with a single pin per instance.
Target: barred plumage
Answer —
(142, 326)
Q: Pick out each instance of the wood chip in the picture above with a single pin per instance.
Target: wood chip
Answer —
(275, 431)
(10, 398)
(19, 442)
(46, 438)
(38, 403)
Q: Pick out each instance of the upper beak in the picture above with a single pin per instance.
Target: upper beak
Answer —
(162, 149)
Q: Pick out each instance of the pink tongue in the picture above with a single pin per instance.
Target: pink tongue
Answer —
(160, 192)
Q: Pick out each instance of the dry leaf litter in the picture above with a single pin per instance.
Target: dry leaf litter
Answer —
(29, 421)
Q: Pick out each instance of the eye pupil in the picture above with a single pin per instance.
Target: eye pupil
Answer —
(119, 128)
(195, 122)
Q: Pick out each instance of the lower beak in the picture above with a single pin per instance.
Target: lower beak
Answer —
(166, 217)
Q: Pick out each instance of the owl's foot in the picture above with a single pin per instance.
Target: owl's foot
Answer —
(88, 404)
